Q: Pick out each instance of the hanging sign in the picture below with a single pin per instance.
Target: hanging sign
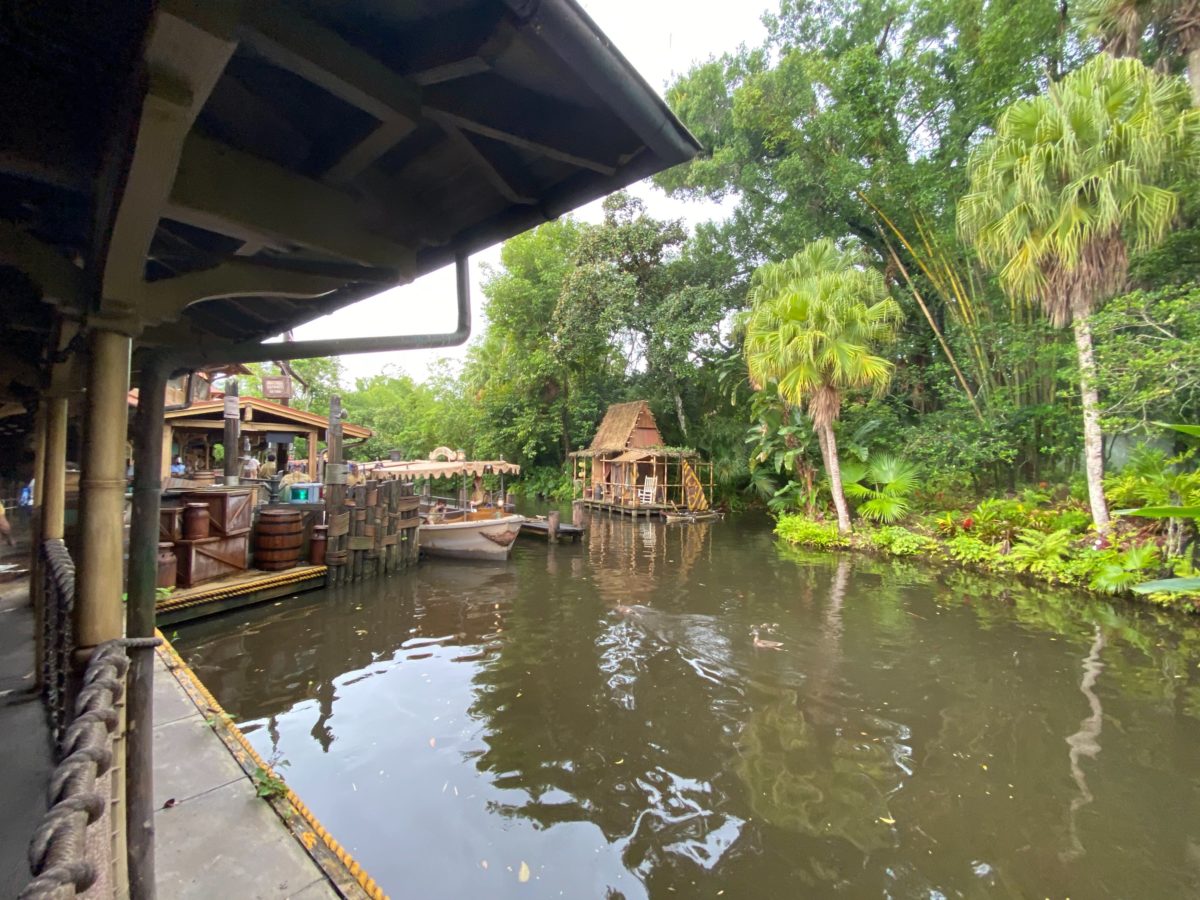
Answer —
(277, 387)
(231, 407)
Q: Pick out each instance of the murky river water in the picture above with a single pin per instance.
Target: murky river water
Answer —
(601, 715)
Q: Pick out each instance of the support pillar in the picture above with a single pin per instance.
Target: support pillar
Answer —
(50, 477)
(143, 578)
(98, 588)
(233, 423)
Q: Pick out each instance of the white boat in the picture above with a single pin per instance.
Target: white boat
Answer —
(476, 537)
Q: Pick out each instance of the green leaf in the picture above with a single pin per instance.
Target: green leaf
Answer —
(1173, 585)
(1163, 512)
(1192, 430)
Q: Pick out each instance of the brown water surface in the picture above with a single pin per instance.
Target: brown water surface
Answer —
(601, 715)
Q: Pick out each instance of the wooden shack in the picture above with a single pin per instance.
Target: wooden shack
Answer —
(628, 468)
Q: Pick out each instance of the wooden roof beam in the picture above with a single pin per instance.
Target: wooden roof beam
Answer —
(223, 189)
(507, 183)
(323, 57)
(482, 105)
(169, 297)
(60, 281)
(185, 61)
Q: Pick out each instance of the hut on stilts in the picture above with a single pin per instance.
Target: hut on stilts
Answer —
(628, 470)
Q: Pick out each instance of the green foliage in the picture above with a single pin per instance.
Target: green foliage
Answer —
(1115, 572)
(544, 481)
(998, 519)
(883, 488)
(267, 784)
(1039, 553)
(797, 529)
(967, 549)
(897, 541)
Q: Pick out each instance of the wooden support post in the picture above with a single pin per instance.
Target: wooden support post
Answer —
(552, 526)
(139, 623)
(233, 424)
(51, 479)
(577, 513)
(335, 491)
(98, 608)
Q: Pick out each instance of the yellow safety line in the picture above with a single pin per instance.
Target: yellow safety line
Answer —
(195, 686)
(236, 590)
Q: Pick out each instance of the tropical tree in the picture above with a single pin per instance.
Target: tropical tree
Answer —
(1070, 182)
(812, 329)
(1173, 27)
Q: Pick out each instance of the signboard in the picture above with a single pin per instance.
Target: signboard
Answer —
(277, 387)
(231, 407)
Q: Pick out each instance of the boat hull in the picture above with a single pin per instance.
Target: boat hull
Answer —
(490, 539)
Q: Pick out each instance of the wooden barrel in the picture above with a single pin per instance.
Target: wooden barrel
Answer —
(195, 522)
(166, 565)
(278, 538)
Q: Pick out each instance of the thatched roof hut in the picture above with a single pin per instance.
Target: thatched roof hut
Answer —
(627, 426)
(628, 466)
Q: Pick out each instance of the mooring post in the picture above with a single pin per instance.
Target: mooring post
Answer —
(552, 526)
(577, 513)
(233, 423)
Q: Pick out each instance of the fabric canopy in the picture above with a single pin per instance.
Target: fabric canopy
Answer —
(632, 456)
(432, 468)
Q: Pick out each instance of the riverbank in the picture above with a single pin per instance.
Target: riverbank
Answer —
(1058, 557)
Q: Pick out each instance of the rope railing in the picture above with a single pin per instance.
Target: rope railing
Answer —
(58, 636)
(59, 856)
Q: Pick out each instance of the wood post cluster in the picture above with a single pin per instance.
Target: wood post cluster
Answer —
(372, 530)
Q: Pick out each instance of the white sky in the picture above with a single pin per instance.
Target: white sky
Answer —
(661, 38)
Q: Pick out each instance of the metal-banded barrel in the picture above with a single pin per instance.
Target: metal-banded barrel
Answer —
(278, 538)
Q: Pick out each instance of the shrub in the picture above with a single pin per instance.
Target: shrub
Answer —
(898, 541)
(968, 549)
(1118, 572)
(796, 529)
(997, 519)
(883, 488)
(1077, 521)
(1041, 554)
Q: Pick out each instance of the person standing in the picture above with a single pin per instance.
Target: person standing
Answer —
(6, 526)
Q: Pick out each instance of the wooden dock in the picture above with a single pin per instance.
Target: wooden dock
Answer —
(540, 527)
(234, 591)
(646, 510)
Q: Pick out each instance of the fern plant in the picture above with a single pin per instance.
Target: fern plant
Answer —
(1041, 554)
(883, 487)
(1125, 569)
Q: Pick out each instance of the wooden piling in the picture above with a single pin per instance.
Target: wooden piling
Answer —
(552, 529)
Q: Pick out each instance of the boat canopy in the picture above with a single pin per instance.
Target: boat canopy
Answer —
(409, 470)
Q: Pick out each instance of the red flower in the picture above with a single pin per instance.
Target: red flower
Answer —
(967, 523)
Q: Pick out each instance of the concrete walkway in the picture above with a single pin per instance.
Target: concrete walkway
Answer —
(24, 735)
(217, 838)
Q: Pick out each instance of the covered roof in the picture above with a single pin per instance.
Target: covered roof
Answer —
(408, 470)
(618, 430)
(210, 173)
(272, 416)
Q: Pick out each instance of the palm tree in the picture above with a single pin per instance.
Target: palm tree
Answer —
(1070, 182)
(1175, 24)
(814, 323)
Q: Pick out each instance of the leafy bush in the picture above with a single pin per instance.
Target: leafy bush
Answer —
(1075, 520)
(997, 519)
(1041, 554)
(1118, 572)
(884, 487)
(899, 541)
(968, 549)
(797, 529)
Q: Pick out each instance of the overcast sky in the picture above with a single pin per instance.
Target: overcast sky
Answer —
(661, 38)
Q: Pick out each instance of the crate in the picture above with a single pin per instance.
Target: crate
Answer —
(170, 524)
(230, 510)
(211, 557)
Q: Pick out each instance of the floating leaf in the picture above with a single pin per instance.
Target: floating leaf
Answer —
(523, 874)
(887, 820)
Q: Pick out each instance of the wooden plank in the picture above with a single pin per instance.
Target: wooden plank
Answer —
(339, 524)
(390, 540)
(358, 542)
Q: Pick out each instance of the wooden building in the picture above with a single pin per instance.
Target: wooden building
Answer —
(191, 432)
(628, 469)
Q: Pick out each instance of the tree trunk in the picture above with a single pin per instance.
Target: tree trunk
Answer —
(834, 468)
(1193, 74)
(1093, 438)
(679, 413)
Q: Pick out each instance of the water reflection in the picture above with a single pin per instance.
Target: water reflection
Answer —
(601, 713)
